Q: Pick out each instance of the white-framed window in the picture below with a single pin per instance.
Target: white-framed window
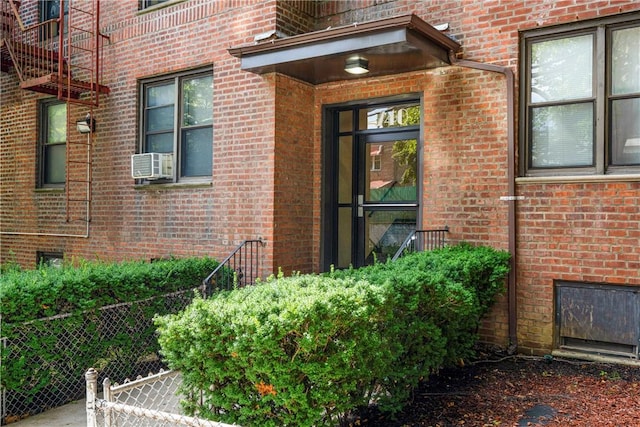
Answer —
(177, 117)
(376, 163)
(52, 144)
(376, 158)
(580, 98)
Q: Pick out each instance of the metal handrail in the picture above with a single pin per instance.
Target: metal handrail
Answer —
(240, 268)
(422, 240)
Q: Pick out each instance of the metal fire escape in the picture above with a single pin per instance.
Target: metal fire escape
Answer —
(62, 57)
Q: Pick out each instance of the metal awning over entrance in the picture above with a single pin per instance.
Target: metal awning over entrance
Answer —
(391, 46)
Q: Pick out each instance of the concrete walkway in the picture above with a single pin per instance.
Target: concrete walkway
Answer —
(73, 414)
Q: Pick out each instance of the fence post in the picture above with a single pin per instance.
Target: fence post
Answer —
(3, 395)
(108, 396)
(91, 378)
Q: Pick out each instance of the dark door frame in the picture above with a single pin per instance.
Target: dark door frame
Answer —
(329, 178)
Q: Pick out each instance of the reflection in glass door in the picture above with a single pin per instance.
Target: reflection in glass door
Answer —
(387, 195)
(374, 151)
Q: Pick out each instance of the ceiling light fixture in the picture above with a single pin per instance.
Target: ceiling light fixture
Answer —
(357, 65)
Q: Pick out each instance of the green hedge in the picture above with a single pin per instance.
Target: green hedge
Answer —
(307, 350)
(48, 291)
(54, 327)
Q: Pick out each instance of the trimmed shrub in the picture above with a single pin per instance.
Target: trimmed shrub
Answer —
(307, 350)
(289, 352)
(463, 278)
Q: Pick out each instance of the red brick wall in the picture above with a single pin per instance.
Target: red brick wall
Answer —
(465, 161)
(465, 115)
(267, 144)
(582, 231)
(488, 30)
(129, 222)
(465, 165)
(296, 16)
(38, 215)
(294, 158)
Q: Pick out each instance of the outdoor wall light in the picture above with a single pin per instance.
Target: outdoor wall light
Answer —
(356, 65)
(87, 125)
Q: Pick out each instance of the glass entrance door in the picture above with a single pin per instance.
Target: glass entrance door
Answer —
(387, 195)
(375, 151)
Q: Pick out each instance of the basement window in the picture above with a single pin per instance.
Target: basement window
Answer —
(50, 259)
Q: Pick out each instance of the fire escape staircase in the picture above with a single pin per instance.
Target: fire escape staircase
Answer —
(62, 57)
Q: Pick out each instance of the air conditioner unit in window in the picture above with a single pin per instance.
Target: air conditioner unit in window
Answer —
(152, 166)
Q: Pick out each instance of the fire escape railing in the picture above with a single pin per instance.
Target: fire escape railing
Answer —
(422, 240)
(42, 53)
(83, 39)
(62, 57)
(241, 268)
(34, 49)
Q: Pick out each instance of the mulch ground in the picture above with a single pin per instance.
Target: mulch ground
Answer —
(521, 391)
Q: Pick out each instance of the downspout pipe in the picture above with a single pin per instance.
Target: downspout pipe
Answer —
(511, 197)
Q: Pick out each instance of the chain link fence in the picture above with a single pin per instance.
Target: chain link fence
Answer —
(45, 360)
(151, 401)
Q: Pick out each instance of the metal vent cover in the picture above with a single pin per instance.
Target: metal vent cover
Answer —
(598, 318)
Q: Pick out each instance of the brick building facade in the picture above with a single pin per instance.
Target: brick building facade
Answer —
(275, 164)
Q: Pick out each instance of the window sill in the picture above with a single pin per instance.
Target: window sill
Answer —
(577, 179)
(50, 190)
(172, 186)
